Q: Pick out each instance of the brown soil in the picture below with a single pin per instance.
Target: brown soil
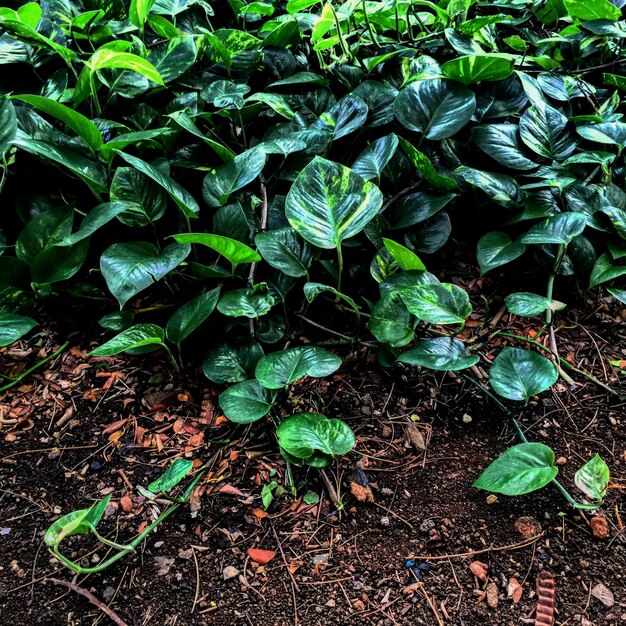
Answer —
(348, 567)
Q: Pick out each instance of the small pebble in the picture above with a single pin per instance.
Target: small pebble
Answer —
(230, 572)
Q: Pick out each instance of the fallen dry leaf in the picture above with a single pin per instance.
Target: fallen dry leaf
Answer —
(262, 557)
(260, 513)
(599, 527)
(416, 437)
(514, 590)
(479, 570)
(492, 595)
(361, 493)
(229, 490)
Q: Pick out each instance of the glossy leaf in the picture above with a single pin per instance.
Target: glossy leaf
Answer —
(442, 354)
(530, 304)
(593, 478)
(279, 369)
(14, 327)
(496, 249)
(191, 315)
(232, 250)
(134, 337)
(232, 363)
(474, 68)
(560, 229)
(249, 303)
(8, 125)
(390, 321)
(174, 473)
(78, 522)
(502, 143)
(285, 250)
(545, 131)
(442, 303)
(246, 402)
(519, 470)
(373, 160)
(520, 374)
(404, 257)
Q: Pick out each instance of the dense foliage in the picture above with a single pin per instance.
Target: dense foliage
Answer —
(228, 156)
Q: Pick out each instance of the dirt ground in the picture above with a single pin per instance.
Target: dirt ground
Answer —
(81, 428)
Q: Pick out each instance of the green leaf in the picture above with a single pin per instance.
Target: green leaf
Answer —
(545, 131)
(593, 478)
(303, 434)
(183, 199)
(603, 270)
(438, 108)
(520, 374)
(136, 336)
(138, 12)
(8, 125)
(232, 363)
(499, 187)
(42, 232)
(501, 142)
(130, 267)
(145, 200)
(171, 476)
(249, 303)
(76, 523)
(279, 369)
(285, 250)
(117, 321)
(80, 124)
(558, 229)
(474, 68)
(495, 249)
(612, 133)
(390, 321)
(105, 58)
(442, 354)
(13, 327)
(95, 219)
(312, 290)
(404, 257)
(328, 203)
(346, 116)
(373, 160)
(521, 469)
(619, 294)
(173, 58)
(220, 183)
(417, 207)
(191, 315)
(425, 167)
(232, 250)
(592, 9)
(246, 402)
(530, 304)
(442, 303)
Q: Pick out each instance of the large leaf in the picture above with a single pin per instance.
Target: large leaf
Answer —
(496, 249)
(95, 219)
(373, 160)
(138, 11)
(442, 303)
(559, 229)
(438, 108)
(285, 250)
(220, 183)
(13, 327)
(131, 267)
(593, 478)
(80, 124)
(191, 315)
(611, 133)
(246, 402)
(232, 250)
(502, 143)
(248, 302)
(544, 130)
(184, 200)
(520, 374)
(521, 469)
(474, 68)
(134, 337)
(106, 58)
(416, 207)
(279, 369)
(328, 203)
(173, 58)
(348, 115)
(442, 354)
(390, 321)
(500, 188)
(304, 434)
(604, 270)
(593, 9)
(232, 363)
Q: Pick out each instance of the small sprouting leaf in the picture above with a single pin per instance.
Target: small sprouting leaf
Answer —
(172, 476)
(76, 523)
(328, 203)
(13, 327)
(442, 303)
(495, 249)
(442, 353)
(529, 304)
(303, 434)
(279, 369)
(232, 250)
(191, 315)
(593, 478)
(134, 337)
(521, 469)
(246, 402)
(518, 374)
(312, 290)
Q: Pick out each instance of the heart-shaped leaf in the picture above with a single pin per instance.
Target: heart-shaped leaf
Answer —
(191, 315)
(520, 374)
(390, 321)
(285, 250)
(593, 478)
(232, 250)
(131, 267)
(246, 402)
(171, 476)
(496, 249)
(529, 304)
(279, 369)
(328, 203)
(232, 363)
(303, 434)
(603, 270)
(134, 337)
(442, 303)
(404, 257)
(502, 143)
(373, 160)
(521, 469)
(544, 130)
(13, 327)
(246, 302)
(559, 229)
(442, 353)
(76, 523)
(437, 107)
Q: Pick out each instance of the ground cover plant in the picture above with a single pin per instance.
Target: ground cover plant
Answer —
(209, 173)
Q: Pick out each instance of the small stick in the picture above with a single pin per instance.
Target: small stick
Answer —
(197, 594)
(87, 594)
(282, 553)
(393, 514)
(332, 493)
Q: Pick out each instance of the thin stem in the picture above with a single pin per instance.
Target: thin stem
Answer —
(328, 330)
(37, 365)
(369, 26)
(339, 266)
(172, 357)
(550, 286)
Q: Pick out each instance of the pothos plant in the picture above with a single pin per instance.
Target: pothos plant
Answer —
(238, 164)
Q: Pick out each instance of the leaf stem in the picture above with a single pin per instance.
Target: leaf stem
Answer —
(339, 266)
